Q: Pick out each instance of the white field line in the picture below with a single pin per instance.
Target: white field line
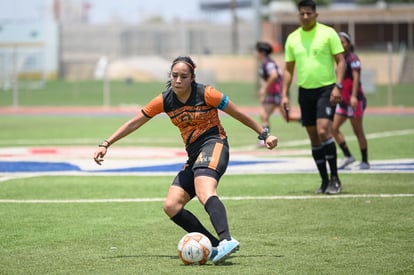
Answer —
(79, 141)
(126, 200)
(151, 140)
(368, 136)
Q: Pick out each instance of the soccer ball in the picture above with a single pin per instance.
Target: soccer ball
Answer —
(194, 248)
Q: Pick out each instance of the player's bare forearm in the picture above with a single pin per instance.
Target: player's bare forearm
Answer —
(127, 128)
(355, 84)
(237, 114)
(233, 111)
(272, 78)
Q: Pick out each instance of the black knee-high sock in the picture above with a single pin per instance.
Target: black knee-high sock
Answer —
(187, 221)
(318, 154)
(217, 212)
(331, 157)
(364, 154)
(345, 149)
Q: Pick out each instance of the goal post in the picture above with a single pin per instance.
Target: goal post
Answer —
(22, 66)
(23, 62)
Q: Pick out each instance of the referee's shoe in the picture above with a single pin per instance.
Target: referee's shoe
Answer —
(334, 186)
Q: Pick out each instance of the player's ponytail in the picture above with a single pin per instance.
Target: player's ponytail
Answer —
(264, 47)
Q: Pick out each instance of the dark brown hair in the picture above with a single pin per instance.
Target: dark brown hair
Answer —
(264, 47)
(307, 3)
(186, 60)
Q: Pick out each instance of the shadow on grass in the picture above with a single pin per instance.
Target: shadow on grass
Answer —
(140, 256)
(227, 262)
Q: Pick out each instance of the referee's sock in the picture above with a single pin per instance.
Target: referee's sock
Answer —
(318, 153)
(331, 157)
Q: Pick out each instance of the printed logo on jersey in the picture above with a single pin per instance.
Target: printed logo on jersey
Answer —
(186, 119)
(315, 52)
(193, 121)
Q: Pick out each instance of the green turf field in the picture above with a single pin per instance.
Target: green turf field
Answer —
(73, 225)
(90, 93)
(312, 235)
(389, 136)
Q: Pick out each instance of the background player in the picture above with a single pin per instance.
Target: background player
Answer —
(352, 106)
(270, 92)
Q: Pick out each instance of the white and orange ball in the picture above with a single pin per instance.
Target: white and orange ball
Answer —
(194, 248)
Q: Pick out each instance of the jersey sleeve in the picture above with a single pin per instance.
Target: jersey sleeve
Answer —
(289, 55)
(154, 107)
(335, 42)
(215, 98)
(354, 62)
(270, 67)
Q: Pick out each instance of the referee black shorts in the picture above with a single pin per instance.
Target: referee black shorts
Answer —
(315, 104)
(211, 161)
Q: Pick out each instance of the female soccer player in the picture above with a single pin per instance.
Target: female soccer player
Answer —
(352, 106)
(271, 85)
(193, 108)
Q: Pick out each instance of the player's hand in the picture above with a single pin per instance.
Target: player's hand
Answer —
(354, 101)
(271, 142)
(99, 155)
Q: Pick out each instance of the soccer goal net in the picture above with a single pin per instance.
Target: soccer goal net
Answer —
(22, 65)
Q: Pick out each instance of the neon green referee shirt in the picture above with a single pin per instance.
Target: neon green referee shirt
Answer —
(313, 51)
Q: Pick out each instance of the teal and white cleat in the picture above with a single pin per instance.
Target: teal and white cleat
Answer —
(224, 249)
(214, 252)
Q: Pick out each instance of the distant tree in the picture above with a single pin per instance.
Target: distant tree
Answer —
(155, 19)
(366, 2)
(327, 2)
(318, 2)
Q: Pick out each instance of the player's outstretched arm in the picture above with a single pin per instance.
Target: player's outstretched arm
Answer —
(233, 111)
(127, 128)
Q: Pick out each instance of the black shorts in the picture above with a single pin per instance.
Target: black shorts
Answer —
(212, 161)
(314, 104)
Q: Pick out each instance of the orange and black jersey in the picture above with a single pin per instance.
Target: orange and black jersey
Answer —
(198, 118)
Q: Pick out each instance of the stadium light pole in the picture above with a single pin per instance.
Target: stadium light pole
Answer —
(234, 26)
(106, 90)
(101, 73)
(258, 31)
(258, 18)
(389, 50)
(15, 78)
(231, 5)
